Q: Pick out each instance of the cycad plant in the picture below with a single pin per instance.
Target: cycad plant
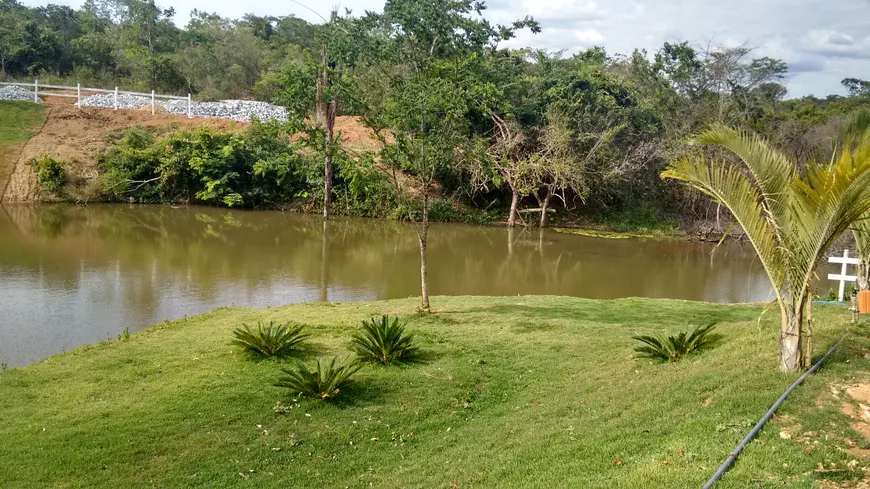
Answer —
(674, 348)
(383, 340)
(269, 340)
(325, 381)
(791, 217)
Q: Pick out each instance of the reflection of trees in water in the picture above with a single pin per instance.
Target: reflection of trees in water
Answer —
(201, 251)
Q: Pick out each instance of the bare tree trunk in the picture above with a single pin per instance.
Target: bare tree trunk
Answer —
(790, 351)
(320, 87)
(544, 205)
(515, 200)
(325, 114)
(327, 167)
(423, 235)
(324, 258)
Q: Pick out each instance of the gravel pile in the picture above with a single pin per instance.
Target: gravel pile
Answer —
(237, 110)
(124, 101)
(11, 92)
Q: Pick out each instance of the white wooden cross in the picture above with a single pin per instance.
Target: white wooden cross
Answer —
(842, 276)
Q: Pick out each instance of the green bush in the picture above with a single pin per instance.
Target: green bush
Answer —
(383, 341)
(50, 174)
(269, 340)
(674, 348)
(325, 381)
(256, 168)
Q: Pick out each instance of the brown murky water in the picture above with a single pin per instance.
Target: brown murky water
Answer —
(75, 275)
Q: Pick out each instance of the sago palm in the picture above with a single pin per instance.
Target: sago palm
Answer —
(791, 217)
(383, 340)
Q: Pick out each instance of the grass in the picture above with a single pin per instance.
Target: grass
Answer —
(19, 121)
(508, 392)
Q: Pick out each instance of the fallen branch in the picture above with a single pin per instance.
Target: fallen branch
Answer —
(529, 211)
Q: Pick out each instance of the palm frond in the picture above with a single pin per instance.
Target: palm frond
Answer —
(771, 170)
(733, 189)
(856, 127)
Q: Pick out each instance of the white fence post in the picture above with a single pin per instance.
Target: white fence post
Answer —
(79, 95)
(189, 112)
(842, 276)
(152, 102)
(116, 98)
(36, 90)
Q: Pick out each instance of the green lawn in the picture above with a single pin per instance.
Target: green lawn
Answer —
(511, 392)
(19, 121)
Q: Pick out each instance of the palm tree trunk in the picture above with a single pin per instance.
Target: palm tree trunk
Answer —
(864, 274)
(790, 351)
(807, 354)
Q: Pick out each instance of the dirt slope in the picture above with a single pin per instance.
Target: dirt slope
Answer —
(78, 136)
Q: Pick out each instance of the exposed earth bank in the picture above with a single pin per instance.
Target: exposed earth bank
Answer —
(78, 136)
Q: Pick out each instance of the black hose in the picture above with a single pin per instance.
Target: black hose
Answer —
(733, 456)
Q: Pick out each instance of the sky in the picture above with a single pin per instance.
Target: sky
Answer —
(823, 41)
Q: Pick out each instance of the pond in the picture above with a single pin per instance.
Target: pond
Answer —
(74, 275)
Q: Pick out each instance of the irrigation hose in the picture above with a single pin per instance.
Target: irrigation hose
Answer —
(733, 455)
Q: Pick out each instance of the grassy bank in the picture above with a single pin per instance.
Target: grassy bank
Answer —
(19, 121)
(519, 392)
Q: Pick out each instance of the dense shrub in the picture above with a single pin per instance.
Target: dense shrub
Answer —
(269, 340)
(383, 340)
(50, 174)
(260, 167)
(256, 168)
(325, 381)
(674, 348)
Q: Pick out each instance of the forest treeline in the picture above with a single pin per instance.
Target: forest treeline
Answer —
(457, 113)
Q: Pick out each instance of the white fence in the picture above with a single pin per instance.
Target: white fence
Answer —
(843, 277)
(36, 86)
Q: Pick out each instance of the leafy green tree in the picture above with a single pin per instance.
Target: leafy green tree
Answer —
(13, 37)
(791, 219)
(856, 86)
(424, 59)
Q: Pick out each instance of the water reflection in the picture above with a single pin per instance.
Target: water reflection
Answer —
(73, 275)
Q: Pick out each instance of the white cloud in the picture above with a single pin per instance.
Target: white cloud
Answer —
(836, 44)
(587, 36)
(575, 10)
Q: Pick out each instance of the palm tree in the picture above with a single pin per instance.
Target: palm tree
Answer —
(791, 217)
(856, 125)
